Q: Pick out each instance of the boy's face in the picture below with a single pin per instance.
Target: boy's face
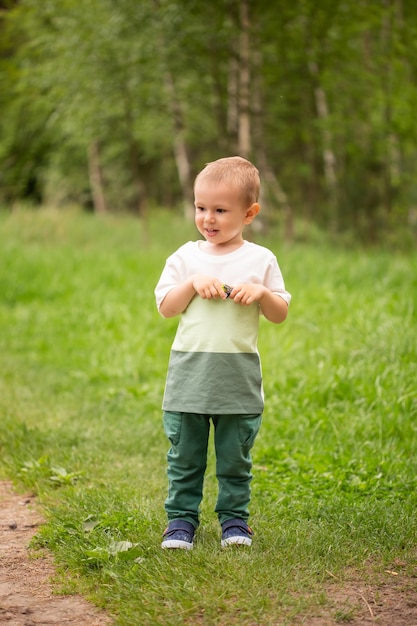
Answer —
(221, 213)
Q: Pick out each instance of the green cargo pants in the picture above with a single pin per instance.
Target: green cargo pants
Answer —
(188, 433)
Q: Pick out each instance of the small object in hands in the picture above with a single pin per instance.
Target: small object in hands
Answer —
(227, 290)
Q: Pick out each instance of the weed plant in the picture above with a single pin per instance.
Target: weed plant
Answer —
(83, 356)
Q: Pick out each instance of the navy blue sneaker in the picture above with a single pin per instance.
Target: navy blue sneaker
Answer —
(236, 532)
(179, 534)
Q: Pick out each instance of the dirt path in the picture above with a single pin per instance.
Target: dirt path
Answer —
(387, 598)
(26, 593)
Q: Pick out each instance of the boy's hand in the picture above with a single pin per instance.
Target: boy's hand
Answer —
(248, 293)
(273, 307)
(208, 287)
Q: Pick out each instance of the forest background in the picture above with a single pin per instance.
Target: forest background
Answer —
(115, 106)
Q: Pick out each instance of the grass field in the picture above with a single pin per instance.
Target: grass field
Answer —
(83, 355)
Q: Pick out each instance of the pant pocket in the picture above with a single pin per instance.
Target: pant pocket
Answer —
(172, 426)
(249, 426)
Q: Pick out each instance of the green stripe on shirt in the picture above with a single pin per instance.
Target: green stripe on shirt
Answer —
(214, 383)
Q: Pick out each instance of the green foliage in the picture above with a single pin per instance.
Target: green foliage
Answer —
(83, 355)
(329, 80)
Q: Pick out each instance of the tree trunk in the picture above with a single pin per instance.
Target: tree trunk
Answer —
(329, 159)
(386, 76)
(267, 173)
(244, 134)
(232, 99)
(96, 178)
(180, 148)
(220, 112)
(137, 179)
(179, 144)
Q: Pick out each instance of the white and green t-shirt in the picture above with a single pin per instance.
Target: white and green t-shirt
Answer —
(214, 366)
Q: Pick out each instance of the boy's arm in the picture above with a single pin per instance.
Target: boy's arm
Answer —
(273, 307)
(177, 299)
(180, 296)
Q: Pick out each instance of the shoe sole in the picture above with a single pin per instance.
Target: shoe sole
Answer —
(236, 541)
(176, 544)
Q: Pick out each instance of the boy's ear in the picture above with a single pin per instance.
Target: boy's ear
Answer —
(252, 212)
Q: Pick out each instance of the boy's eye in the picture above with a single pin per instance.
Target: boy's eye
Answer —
(221, 210)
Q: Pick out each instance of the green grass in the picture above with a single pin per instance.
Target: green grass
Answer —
(83, 355)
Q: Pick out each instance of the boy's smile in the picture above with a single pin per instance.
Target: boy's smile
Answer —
(210, 232)
(221, 214)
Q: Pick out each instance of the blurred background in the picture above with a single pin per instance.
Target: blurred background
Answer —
(115, 105)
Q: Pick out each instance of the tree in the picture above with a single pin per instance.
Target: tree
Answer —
(118, 105)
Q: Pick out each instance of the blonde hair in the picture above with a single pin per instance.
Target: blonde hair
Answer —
(235, 171)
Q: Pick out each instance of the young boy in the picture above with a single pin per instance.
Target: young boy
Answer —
(219, 286)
